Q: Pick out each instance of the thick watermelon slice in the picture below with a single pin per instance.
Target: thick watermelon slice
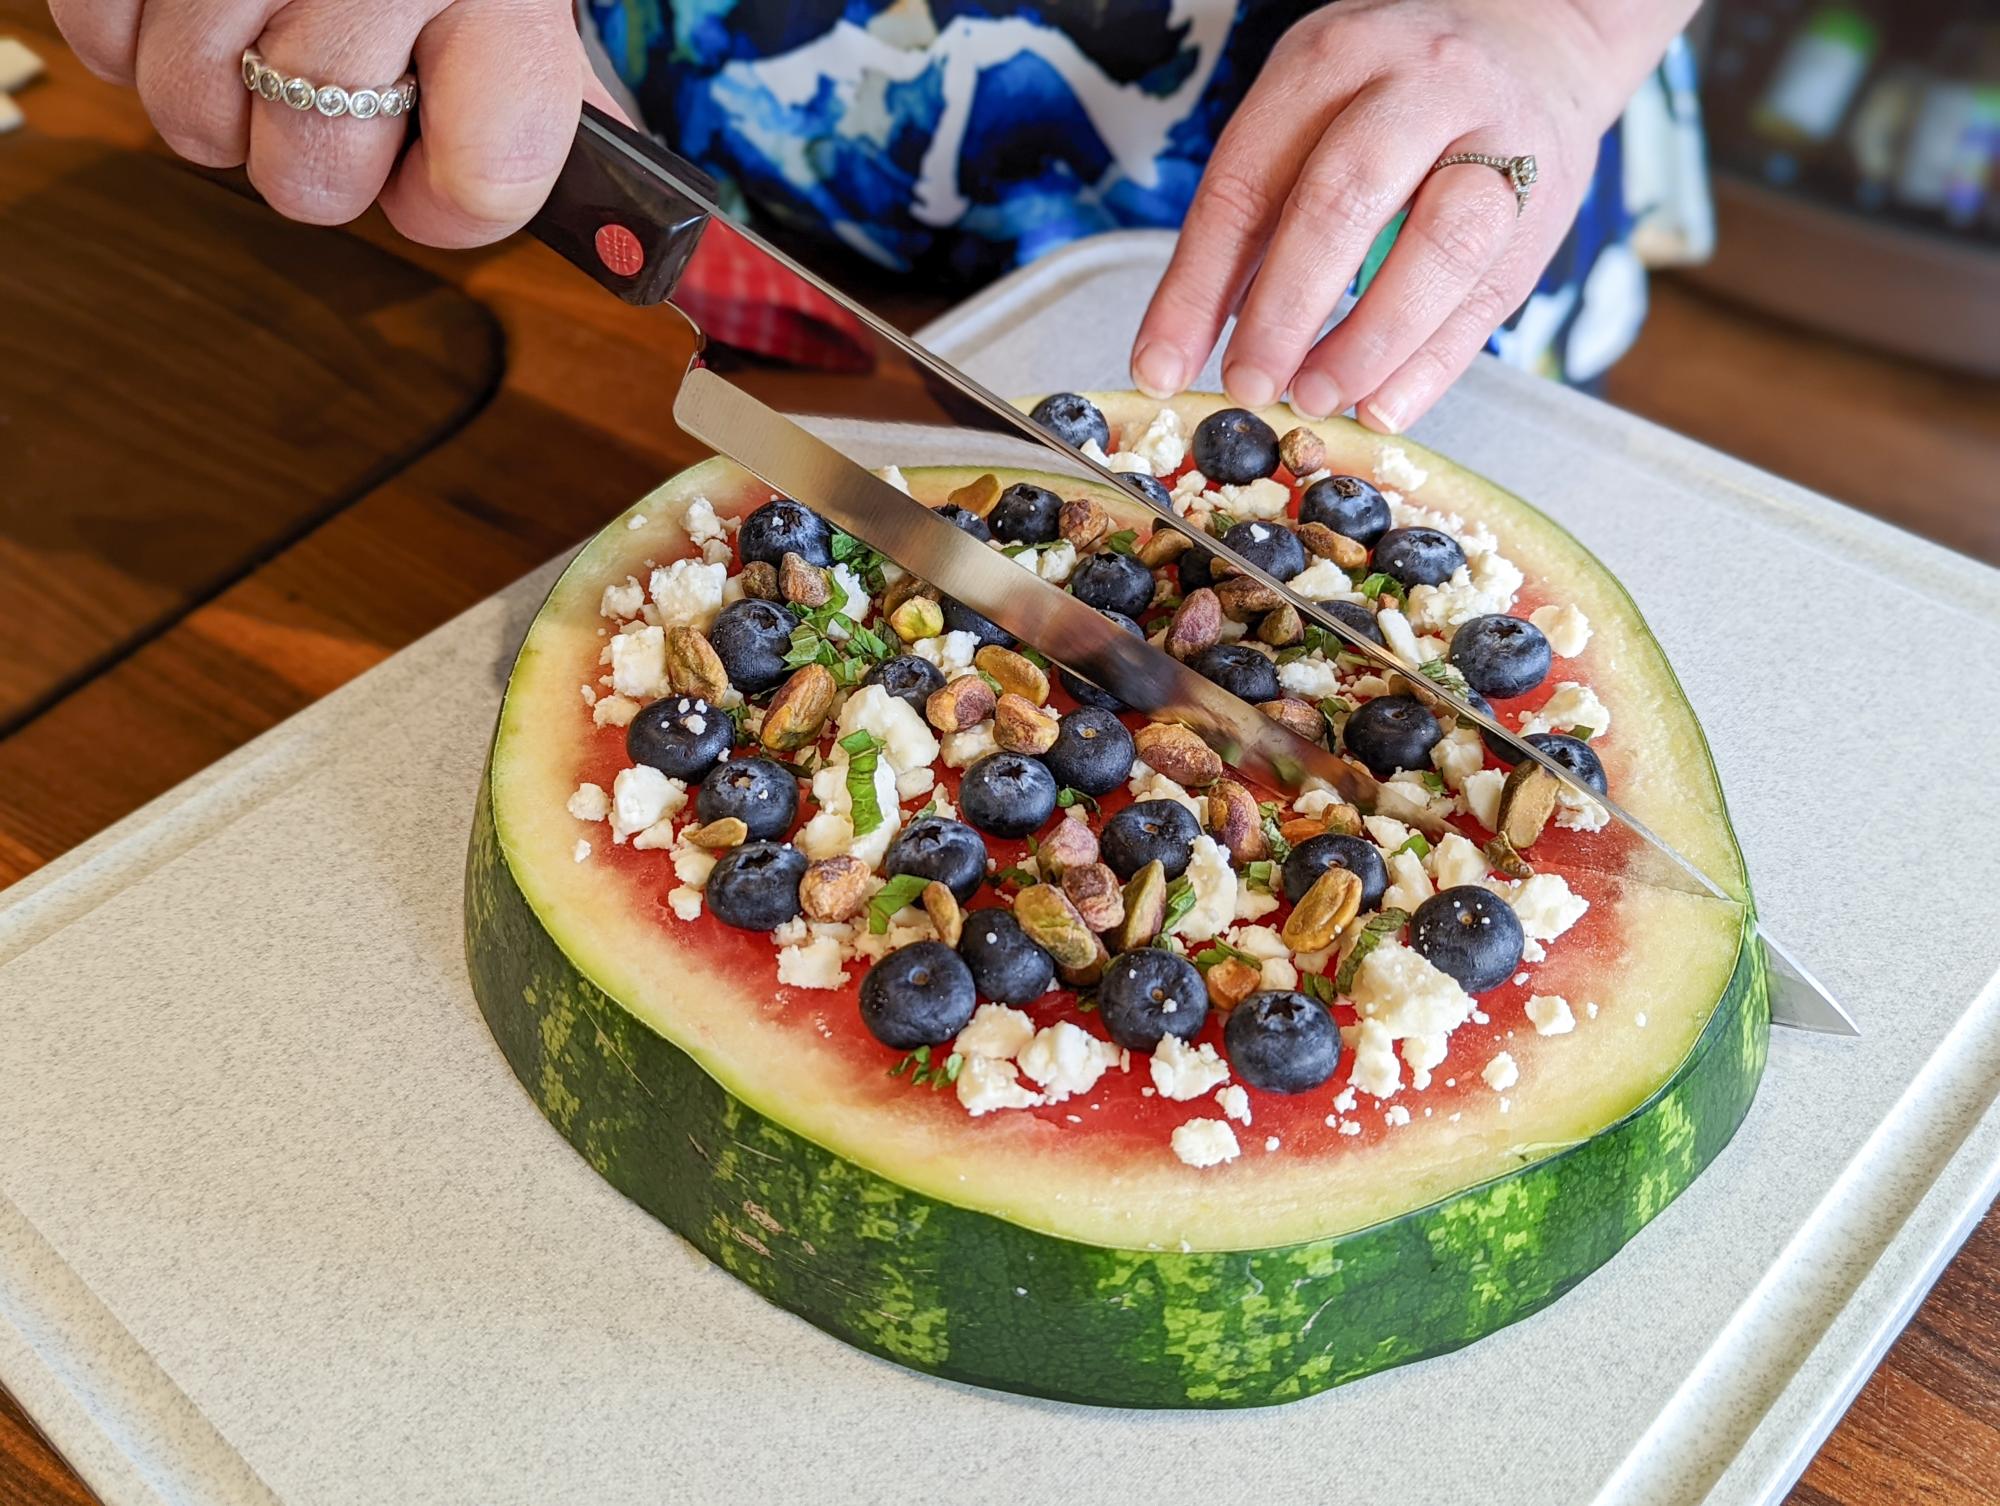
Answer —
(1062, 1251)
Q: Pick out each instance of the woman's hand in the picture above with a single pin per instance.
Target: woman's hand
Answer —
(1341, 130)
(500, 86)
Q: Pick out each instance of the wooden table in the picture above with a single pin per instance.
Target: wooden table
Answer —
(574, 430)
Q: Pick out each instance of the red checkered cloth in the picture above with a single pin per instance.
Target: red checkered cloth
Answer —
(742, 298)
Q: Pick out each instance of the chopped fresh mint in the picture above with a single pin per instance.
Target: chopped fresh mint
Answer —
(864, 810)
(991, 683)
(1333, 709)
(1220, 522)
(1124, 541)
(863, 561)
(1320, 987)
(1067, 797)
(1432, 780)
(1034, 656)
(930, 809)
(1581, 734)
(1440, 673)
(923, 1074)
(1268, 815)
(1417, 843)
(1379, 584)
(1180, 900)
(1379, 929)
(1261, 875)
(1222, 951)
(1008, 876)
(899, 893)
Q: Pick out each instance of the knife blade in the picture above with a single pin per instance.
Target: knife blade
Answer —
(634, 215)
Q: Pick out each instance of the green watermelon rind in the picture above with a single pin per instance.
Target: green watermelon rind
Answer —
(973, 1297)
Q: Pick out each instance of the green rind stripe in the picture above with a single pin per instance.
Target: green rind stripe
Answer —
(975, 1298)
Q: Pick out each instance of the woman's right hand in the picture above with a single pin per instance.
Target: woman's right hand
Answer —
(500, 82)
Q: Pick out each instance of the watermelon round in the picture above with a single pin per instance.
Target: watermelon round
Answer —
(1063, 1250)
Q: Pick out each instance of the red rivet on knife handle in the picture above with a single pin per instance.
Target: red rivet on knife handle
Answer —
(620, 251)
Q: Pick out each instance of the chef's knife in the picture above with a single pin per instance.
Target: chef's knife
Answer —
(634, 216)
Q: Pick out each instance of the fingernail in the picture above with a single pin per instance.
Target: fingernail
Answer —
(1383, 414)
(1314, 396)
(1158, 370)
(1248, 386)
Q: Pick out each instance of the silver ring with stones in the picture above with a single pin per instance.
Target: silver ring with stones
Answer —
(331, 100)
(1520, 172)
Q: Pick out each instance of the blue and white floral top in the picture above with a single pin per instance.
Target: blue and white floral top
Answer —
(955, 139)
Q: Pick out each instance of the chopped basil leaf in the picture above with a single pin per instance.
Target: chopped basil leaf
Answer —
(1034, 656)
(1260, 875)
(1379, 584)
(1317, 986)
(1280, 848)
(1440, 673)
(1379, 929)
(1067, 797)
(1432, 780)
(991, 684)
(1123, 541)
(1581, 734)
(1222, 951)
(1417, 844)
(865, 811)
(1008, 876)
(1180, 900)
(900, 892)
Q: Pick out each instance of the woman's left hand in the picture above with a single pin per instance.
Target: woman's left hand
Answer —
(1341, 131)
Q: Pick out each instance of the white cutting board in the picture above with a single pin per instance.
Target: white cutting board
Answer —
(277, 1224)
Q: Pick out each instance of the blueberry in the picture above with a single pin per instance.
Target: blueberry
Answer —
(1008, 794)
(966, 519)
(1006, 967)
(1072, 418)
(1392, 733)
(1315, 855)
(1348, 505)
(1500, 656)
(1113, 583)
(755, 887)
(1271, 547)
(960, 618)
(1151, 489)
(1574, 754)
(760, 792)
(1238, 669)
(1470, 933)
(937, 848)
(1282, 1042)
(751, 638)
(921, 995)
(1086, 694)
(1234, 446)
(1093, 752)
(1149, 993)
(680, 735)
(1356, 616)
(1148, 830)
(783, 527)
(1026, 514)
(907, 678)
(1418, 556)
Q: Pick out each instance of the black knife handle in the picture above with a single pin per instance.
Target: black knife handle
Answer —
(617, 214)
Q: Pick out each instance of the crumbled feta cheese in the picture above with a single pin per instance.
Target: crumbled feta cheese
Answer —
(962, 749)
(1126, 463)
(1235, 1103)
(1271, 1143)
(1409, 885)
(1262, 498)
(791, 933)
(1458, 755)
(893, 474)
(1424, 1052)
(1162, 444)
(1401, 640)
(614, 711)
(854, 601)
(1279, 974)
(1181, 1071)
(688, 593)
(640, 796)
(915, 784)
(692, 865)
(1566, 628)
(1375, 1068)
(1393, 467)
(1396, 1116)
(685, 902)
(950, 652)
(639, 664)
(1576, 811)
(1205, 1142)
(1497, 578)
(908, 743)
(581, 852)
(1400, 990)
(995, 1030)
(1482, 796)
(589, 803)
(1544, 903)
(1457, 860)
(1312, 677)
(1262, 942)
(636, 522)
(1386, 832)
(1188, 491)
(1550, 1014)
(1343, 1103)
(1066, 1060)
(1054, 563)
(1254, 904)
(1214, 892)
(1501, 1074)
(1323, 580)
(1148, 783)
(986, 1083)
(619, 602)
(831, 831)
(1315, 802)
(1572, 705)
(813, 964)
(701, 523)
